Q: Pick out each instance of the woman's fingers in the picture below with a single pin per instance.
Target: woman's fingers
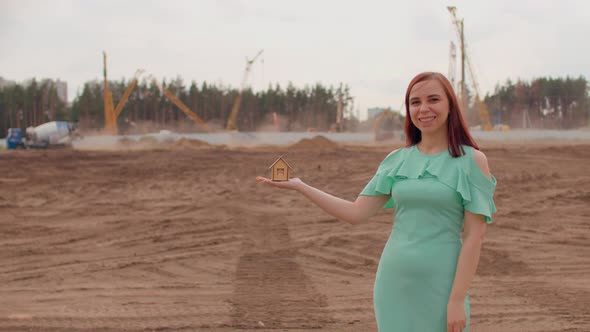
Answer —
(270, 182)
(290, 184)
(455, 327)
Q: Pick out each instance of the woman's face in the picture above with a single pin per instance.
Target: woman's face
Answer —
(429, 106)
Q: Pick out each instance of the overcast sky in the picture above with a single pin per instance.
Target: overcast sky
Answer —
(374, 46)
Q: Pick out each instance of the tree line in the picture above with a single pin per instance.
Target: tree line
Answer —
(550, 103)
(148, 109)
(31, 104)
(543, 103)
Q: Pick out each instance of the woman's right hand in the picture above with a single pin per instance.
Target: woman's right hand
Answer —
(291, 184)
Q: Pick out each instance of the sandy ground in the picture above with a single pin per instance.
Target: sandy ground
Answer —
(183, 238)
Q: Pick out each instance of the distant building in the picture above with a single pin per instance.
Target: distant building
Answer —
(62, 90)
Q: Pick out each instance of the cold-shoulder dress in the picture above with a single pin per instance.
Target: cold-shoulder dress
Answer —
(417, 267)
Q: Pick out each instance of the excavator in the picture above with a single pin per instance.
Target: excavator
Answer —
(233, 116)
(383, 133)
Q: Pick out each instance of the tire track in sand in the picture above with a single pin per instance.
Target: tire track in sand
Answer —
(270, 288)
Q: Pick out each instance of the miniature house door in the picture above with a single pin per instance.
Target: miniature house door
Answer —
(280, 171)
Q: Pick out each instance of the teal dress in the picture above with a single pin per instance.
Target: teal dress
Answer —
(417, 267)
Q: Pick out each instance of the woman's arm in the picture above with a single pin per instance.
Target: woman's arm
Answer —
(475, 228)
(473, 236)
(355, 212)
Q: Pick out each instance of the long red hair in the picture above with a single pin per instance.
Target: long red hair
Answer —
(458, 133)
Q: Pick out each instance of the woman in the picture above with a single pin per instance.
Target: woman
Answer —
(440, 186)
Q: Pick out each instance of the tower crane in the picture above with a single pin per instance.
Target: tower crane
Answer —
(484, 116)
(231, 122)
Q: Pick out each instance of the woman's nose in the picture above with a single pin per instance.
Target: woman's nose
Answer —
(423, 107)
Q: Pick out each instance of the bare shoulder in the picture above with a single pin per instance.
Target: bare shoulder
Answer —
(482, 162)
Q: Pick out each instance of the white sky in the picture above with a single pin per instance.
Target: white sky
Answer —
(374, 46)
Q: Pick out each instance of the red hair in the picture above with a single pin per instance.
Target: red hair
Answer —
(457, 132)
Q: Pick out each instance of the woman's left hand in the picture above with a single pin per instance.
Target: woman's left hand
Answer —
(456, 320)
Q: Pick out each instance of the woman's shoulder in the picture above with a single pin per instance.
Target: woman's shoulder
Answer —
(394, 157)
(477, 162)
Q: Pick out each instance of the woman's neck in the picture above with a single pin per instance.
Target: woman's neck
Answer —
(434, 142)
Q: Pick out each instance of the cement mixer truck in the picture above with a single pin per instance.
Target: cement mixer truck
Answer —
(47, 135)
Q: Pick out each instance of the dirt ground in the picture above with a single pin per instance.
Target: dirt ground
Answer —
(184, 239)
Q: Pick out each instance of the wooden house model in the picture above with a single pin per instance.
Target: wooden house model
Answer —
(280, 170)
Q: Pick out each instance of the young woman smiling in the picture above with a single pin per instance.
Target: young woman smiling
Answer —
(442, 191)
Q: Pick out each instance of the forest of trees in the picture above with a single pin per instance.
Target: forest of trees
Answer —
(30, 104)
(148, 109)
(543, 103)
(549, 103)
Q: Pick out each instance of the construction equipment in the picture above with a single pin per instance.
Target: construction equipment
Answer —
(187, 111)
(384, 133)
(484, 116)
(111, 113)
(452, 64)
(231, 122)
(47, 135)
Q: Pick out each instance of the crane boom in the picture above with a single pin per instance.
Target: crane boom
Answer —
(231, 122)
(484, 116)
(110, 112)
(187, 111)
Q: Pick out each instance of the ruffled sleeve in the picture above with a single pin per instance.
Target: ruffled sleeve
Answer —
(478, 191)
(382, 181)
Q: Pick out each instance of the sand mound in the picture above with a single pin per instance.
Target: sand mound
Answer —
(144, 143)
(185, 143)
(317, 142)
(147, 143)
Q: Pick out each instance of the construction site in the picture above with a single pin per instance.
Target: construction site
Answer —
(144, 214)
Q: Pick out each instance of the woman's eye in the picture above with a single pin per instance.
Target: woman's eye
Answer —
(434, 99)
(415, 103)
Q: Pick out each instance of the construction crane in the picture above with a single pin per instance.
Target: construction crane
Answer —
(233, 116)
(452, 64)
(111, 113)
(484, 116)
(187, 111)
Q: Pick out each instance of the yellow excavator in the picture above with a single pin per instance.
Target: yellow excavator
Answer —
(380, 133)
(233, 116)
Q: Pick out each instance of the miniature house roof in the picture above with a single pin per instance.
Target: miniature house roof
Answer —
(280, 158)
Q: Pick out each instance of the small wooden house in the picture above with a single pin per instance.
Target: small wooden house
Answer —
(280, 170)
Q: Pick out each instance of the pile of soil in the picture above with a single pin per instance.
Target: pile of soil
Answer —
(317, 142)
(185, 143)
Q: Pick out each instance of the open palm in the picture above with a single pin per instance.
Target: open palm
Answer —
(291, 184)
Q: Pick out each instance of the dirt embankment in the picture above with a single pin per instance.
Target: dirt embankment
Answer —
(185, 239)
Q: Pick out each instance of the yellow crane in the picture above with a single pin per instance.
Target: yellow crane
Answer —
(484, 115)
(187, 111)
(111, 113)
(233, 116)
